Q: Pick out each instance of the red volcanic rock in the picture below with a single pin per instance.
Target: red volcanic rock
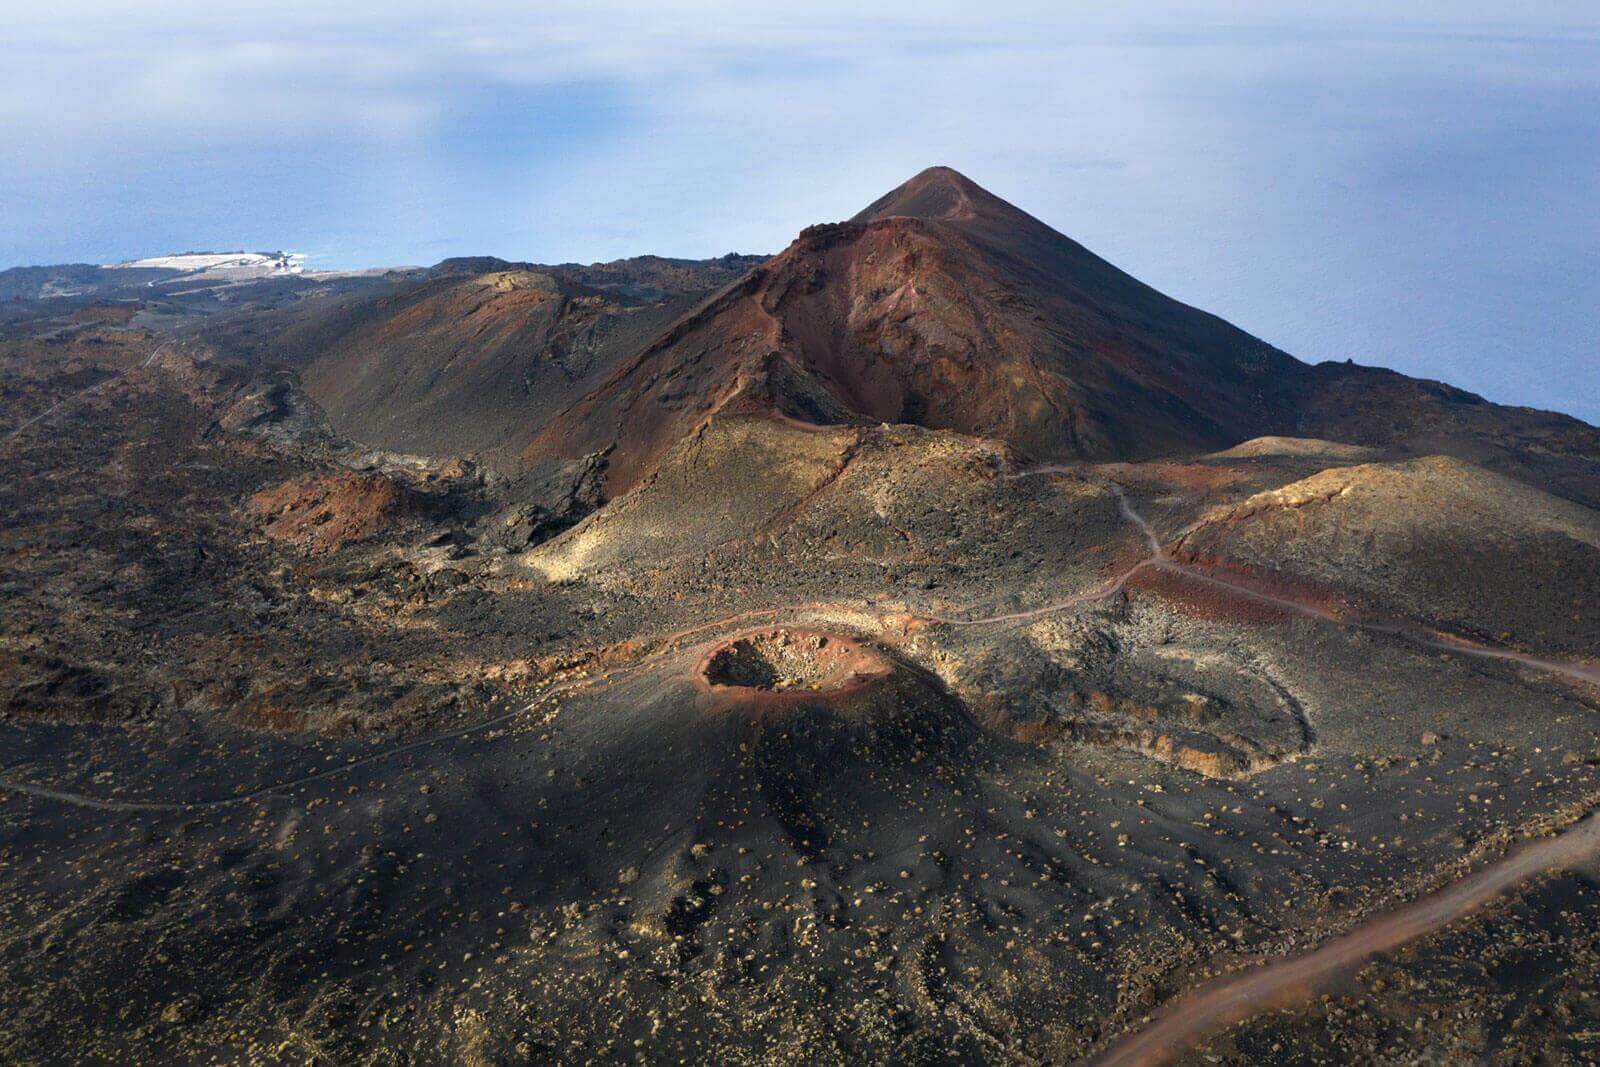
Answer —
(322, 513)
(943, 306)
(776, 667)
(820, 706)
(939, 305)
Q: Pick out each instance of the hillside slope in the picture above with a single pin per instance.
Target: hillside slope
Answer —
(478, 354)
(940, 305)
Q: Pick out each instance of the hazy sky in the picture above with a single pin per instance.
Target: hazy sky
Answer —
(1420, 190)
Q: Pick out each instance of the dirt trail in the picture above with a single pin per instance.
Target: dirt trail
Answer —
(1285, 983)
(1110, 587)
(1158, 558)
(1415, 634)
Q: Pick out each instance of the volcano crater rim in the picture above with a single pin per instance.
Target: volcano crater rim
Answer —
(791, 663)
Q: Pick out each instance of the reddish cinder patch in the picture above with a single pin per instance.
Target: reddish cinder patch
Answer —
(322, 513)
(1187, 477)
(777, 668)
(1230, 594)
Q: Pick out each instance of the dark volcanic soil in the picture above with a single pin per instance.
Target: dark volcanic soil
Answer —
(845, 734)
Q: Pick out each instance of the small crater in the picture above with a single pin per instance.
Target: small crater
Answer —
(771, 661)
(803, 661)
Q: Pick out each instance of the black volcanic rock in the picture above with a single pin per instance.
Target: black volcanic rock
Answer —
(839, 736)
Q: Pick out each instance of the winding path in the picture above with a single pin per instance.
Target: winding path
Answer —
(1577, 671)
(1285, 983)
(1114, 585)
(1188, 1020)
(1157, 558)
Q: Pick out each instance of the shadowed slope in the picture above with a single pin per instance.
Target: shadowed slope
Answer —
(477, 355)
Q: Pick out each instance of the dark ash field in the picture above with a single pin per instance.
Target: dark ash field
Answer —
(927, 645)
